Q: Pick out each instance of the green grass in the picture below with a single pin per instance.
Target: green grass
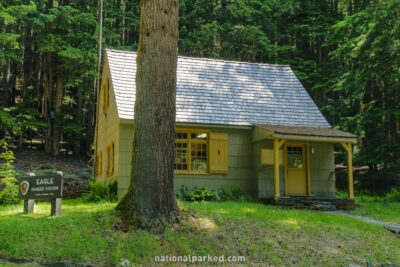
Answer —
(86, 233)
(384, 211)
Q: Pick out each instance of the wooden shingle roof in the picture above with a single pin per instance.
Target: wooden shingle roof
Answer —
(306, 131)
(224, 92)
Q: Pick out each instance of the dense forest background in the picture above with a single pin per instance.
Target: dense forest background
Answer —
(345, 52)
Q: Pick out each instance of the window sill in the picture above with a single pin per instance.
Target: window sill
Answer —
(183, 172)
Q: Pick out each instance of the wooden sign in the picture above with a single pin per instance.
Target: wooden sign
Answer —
(48, 186)
(40, 187)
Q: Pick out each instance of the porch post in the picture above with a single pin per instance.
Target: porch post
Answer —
(276, 168)
(348, 147)
(350, 170)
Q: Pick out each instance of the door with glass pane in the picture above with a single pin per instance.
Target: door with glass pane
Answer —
(296, 169)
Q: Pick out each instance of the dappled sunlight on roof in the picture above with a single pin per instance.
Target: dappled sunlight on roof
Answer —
(224, 92)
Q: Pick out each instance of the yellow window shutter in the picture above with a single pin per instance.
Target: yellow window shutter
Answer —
(106, 96)
(112, 158)
(99, 162)
(108, 160)
(218, 152)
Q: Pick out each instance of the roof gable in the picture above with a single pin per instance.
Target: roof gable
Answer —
(224, 92)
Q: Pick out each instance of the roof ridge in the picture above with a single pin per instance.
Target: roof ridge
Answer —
(208, 59)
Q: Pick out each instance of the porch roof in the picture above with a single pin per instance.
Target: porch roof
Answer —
(307, 133)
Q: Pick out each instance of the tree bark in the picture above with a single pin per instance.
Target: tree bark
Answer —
(150, 201)
(6, 83)
(78, 120)
(28, 66)
(47, 99)
(55, 149)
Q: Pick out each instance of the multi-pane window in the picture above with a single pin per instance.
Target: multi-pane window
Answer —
(191, 151)
(295, 157)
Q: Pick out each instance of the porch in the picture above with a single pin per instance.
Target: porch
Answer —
(300, 161)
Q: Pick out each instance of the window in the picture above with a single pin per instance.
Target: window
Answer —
(295, 157)
(106, 95)
(191, 151)
(99, 162)
(110, 159)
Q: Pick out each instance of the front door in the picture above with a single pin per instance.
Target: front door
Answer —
(296, 169)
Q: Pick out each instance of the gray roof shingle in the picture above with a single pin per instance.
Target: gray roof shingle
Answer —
(224, 92)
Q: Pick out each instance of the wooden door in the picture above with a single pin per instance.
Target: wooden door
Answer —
(296, 169)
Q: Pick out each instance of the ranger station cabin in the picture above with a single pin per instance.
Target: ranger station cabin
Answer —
(237, 123)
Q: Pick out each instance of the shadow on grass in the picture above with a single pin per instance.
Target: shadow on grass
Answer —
(86, 233)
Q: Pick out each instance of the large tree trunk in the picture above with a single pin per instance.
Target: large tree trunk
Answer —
(150, 201)
(79, 120)
(55, 149)
(6, 83)
(47, 98)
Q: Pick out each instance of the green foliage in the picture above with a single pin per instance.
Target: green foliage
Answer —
(197, 194)
(7, 122)
(9, 196)
(345, 53)
(228, 194)
(206, 194)
(392, 196)
(7, 172)
(368, 85)
(8, 189)
(100, 191)
(89, 234)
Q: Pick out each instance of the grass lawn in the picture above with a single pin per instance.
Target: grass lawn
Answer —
(85, 233)
(384, 211)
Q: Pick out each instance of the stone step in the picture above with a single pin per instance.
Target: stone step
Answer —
(307, 203)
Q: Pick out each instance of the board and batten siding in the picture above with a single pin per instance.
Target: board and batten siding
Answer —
(322, 167)
(322, 170)
(240, 162)
(108, 129)
(265, 174)
(126, 134)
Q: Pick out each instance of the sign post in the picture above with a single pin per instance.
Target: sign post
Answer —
(48, 186)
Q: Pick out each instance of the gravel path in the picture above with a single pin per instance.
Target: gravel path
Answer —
(393, 227)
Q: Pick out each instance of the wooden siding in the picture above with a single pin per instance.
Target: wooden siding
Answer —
(322, 176)
(108, 129)
(322, 170)
(265, 174)
(240, 163)
(244, 166)
(126, 134)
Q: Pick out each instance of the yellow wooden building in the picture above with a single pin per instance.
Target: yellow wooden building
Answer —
(247, 124)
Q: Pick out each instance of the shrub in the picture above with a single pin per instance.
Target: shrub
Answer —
(393, 195)
(8, 188)
(100, 191)
(206, 194)
(7, 172)
(9, 195)
(342, 194)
